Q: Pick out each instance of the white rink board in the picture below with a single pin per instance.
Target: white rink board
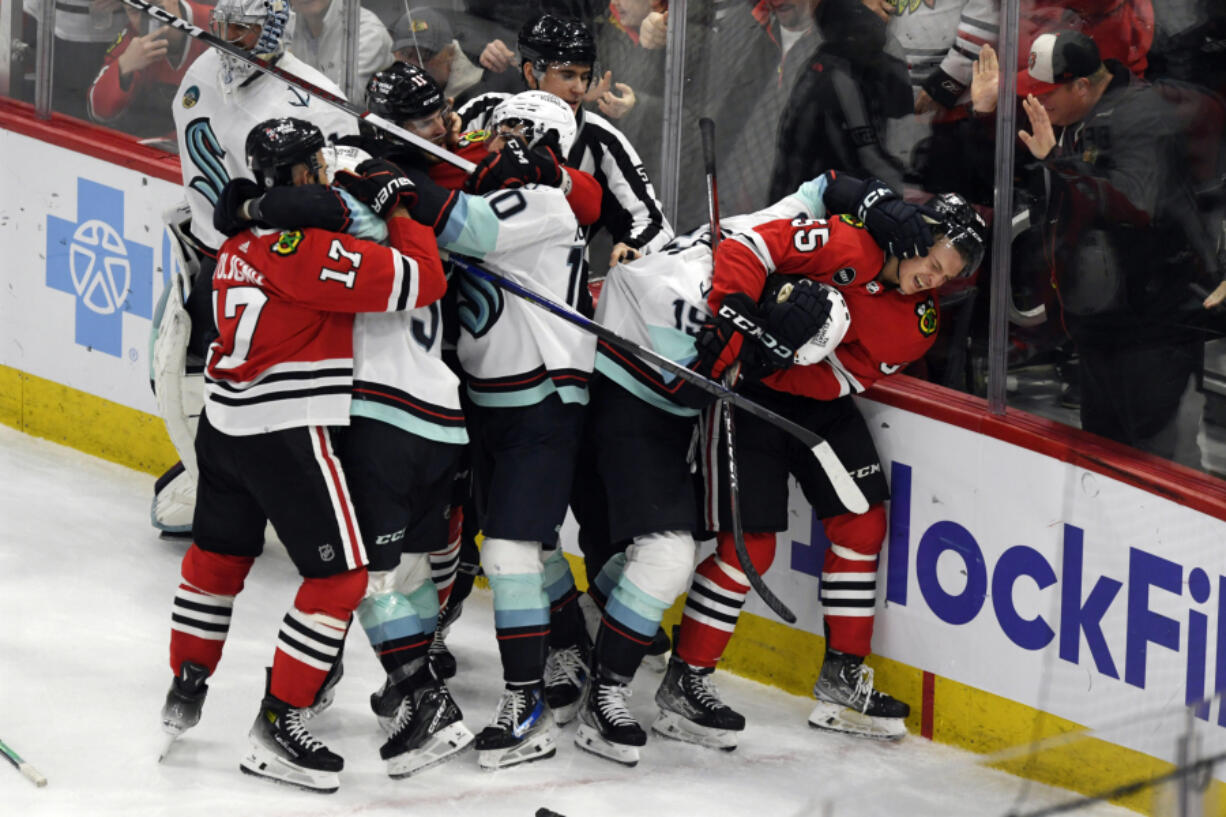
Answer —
(70, 313)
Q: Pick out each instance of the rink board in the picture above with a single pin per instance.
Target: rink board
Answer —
(1012, 583)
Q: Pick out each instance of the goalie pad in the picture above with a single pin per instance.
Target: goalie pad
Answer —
(179, 393)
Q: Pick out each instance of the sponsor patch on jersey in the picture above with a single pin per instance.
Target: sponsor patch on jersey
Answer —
(927, 312)
(287, 242)
(872, 287)
(852, 220)
(191, 96)
(473, 137)
(845, 276)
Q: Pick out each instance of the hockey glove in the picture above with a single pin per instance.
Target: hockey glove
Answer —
(515, 166)
(737, 334)
(381, 186)
(308, 205)
(794, 309)
(227, 219)
(899, 228)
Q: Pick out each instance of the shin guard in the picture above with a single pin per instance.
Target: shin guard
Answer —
(849, 579)
(312, 635)
(716, 597)
(203, 602)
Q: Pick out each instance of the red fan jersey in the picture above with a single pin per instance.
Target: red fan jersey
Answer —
(888, 329)
(284, 305)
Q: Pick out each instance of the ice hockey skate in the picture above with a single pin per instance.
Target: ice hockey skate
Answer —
(427, 730)
(284, 751)
(606, 727)
(691, 710)
(184, 701)
(566, 672)
(523, 730)
(848, 703)
(385, 703)
(327, 692)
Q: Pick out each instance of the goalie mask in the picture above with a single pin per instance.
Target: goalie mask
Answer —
(963, 227)
(275, 146)
(235, 22)
(539, 112)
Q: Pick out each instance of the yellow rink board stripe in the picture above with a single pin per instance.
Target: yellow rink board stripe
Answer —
(763, 649)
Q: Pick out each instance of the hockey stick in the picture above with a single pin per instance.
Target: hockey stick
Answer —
(212, 40)
(707, 128)
(31, 774)
(849, 493)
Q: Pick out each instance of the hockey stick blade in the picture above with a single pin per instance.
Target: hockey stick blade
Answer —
(848, 492)
(212, 40)
(28, 771)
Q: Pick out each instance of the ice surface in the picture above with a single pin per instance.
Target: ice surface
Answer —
(85, 593)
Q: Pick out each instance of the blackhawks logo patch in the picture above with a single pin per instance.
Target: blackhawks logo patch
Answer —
(287, 242)
(852, 220)
(473, 137)
(928, 321)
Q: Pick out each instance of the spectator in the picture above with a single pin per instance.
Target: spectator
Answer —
(1104, 150)
(837, 113)
(1123, 30)
(84, 31)
(143, 68)
(317, 40)
(632, 91)
(423, 37)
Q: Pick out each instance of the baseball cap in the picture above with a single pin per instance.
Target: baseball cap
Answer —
(1056, 58)
(425, 28)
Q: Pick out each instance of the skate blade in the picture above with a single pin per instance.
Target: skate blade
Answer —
(837, 718)
(672, 725)
(450, 741)
(563, 715)
(168, 740)
(656, 663)
(589, 740)
(538, 748)
(266, 765)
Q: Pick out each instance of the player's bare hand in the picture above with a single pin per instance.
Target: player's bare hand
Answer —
(454, 126)
(1043, 137)
(985, 81)
(1216, 296)
(623, 252)
(143, 52)
(926, 104)
(653, 31)
(882, 8)
(496, 56)
(615, 106)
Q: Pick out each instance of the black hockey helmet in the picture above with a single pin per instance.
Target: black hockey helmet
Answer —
(403, 91)
(275, 145)
(548, 39)
(964, 227)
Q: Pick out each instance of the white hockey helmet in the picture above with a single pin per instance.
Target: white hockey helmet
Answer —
(272, 16)
(540, 112)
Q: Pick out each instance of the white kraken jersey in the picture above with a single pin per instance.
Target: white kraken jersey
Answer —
(515, 353)
(212, 127)
(659, 301)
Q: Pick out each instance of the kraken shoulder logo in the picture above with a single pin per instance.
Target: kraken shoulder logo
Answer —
(107, 274)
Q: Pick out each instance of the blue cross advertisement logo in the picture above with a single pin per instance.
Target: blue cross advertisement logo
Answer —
(106, 273)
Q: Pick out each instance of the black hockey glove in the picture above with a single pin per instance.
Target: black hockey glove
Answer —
(308, 205)
(901, 229)
(794, 309)
(381, 186)
(515, 166)
(226, 213)
(737, 334)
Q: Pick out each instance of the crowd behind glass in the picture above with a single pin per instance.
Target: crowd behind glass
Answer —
(1118, 228)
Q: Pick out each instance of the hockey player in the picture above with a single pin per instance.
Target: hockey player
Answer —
(645, 422)
(893, 321)
(558, 56)
(218, 102)
(278, 377)
(527, 385)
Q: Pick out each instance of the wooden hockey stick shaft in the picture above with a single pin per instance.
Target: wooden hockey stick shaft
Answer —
(31, 774)
(849, 493)
(339, 102)
(707, 128)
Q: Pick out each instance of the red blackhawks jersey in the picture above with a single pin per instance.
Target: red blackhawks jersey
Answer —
(888, 329)
(284, 304)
